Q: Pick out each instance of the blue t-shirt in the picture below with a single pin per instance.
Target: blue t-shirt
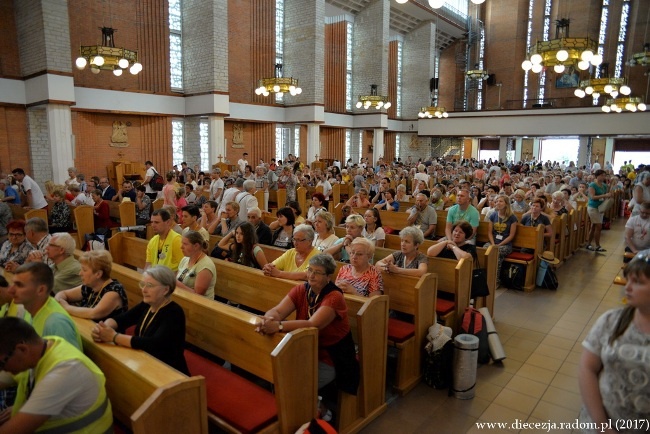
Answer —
(501, 227)
(10, 192)
(394, 204)
(470, 215)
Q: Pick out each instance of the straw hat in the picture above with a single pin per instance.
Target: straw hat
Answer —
(549, 257)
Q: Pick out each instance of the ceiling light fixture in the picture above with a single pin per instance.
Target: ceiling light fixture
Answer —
(373, 100)
(278, 84)
(107, 56)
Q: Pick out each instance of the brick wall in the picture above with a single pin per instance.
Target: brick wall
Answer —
(13, 139)
(9, 59)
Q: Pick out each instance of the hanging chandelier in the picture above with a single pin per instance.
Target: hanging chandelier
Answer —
(477, 74)
(562, 52)
(629, 103)
(278, 84)
(604, 85)
(373, 100)
(107, 56)
(431, 111)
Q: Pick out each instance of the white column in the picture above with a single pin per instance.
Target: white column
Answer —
(313, 142)
(536, 144)
(518, 145)
(503, 148)
(377, 145)
(583, 157)
(609, 151)
(475, 148)
(59, 124)
(216, 139)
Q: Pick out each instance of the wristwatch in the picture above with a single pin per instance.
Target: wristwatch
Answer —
(280, 326)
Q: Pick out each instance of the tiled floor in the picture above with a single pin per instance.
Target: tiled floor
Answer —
(541, 333)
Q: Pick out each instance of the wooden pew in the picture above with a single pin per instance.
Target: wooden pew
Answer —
(144, 391)
(289, 361)
(83, 217)
(531, 238)
(251, 288)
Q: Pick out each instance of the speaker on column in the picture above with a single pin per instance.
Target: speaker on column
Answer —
(491, 80)
(433, 84)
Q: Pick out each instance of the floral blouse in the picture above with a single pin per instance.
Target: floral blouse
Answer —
(18, 256)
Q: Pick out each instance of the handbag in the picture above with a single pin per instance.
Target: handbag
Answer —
(479, 281)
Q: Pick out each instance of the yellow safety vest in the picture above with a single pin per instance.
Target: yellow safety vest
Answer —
(96, 420)
(52, 306)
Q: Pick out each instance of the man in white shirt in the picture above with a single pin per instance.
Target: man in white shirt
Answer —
(246, 199)
(151, 171)
(30, 188)
(230, 194)
(242, 163)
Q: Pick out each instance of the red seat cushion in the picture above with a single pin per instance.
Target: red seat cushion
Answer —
(520, 256)
(444, 306)
(399, 331)
(244, 405)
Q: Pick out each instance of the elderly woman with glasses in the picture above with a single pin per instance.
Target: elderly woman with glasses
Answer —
(294, 262)
(15, 250)
(359, 277)
(159, 321)
(614, 366)
(320, 303)
(98, 297)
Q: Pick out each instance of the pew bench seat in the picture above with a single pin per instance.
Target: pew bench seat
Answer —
(400, 331)
(241, 404)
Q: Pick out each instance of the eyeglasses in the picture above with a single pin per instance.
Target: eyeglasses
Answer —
(6, 359)
(318, 273)
(53, 245)
(296, 240)
(16, 234)
(149, 285)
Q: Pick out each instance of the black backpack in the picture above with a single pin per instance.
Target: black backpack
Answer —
(474, 324)
(513, 276)
(550, 279)
(157, 182)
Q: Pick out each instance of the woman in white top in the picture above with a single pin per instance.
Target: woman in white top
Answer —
(196, 271)
(324, 227)
(422, 175)
(373, 230)
(317, 204)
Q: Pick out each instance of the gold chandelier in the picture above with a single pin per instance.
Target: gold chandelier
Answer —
(373, 100)
(477, 74)
(629, 103)
(562, 52)
(108, 57)
(433, 110)
(278, 84)
(598, 86)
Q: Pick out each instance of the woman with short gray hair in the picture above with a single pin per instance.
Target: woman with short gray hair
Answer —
(408, 261)
(320, 303)
(324, 228)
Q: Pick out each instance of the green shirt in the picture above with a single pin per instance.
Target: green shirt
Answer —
(66, 274)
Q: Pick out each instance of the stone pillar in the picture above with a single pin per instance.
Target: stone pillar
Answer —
(205, 52)
(59, 125)
(503, 148)
(475, 148)
(418, 67)
(304, 49)
(536, 148)
(518, 145)
(313, 142)
(609, 151)
(377, 145)
(39, 145)
(192, 141)
(370, 50)
(217, 139)
(583, 157)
